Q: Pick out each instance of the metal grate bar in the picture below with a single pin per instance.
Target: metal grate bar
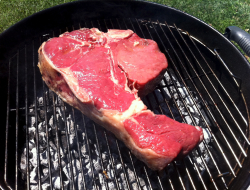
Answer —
(179, 175)
(77, 141)
(122, 162)
(159, 180)
(193, 122)
(144, 166)
(87, 141)
(174, 163)
(100, 154)
(129, 152)
(207, 168)
(69, 155)
(214, 137)
(224, 89)
(45, 108)
(169, 179)
(189, 175)
(216, 106)
(109, 152)
(118, 147)
(17, 119)
(7, 131)
(123, 166)
(215, 164)
(112, 161)
(225, 65)
(58, 144)
(158, 103)
(197, 171)
(136, 177)
(161, 111)
(36, 120)
(204, 142)
(182, 119)
(47, 134)
(126, 177)
(90, 157)
(235, 81)
(26, 120)
(208, 109)
(78, 148)
(145, 170)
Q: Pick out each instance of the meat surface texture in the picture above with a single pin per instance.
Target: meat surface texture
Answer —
(104, 75)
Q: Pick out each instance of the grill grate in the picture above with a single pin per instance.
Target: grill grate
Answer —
(196, 90)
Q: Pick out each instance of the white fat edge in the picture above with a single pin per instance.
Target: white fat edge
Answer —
(110, 39)
(112, 33)
(112, 67)
(61, 35)
(136, 106)
(125, 73)
(84, 43)
(126, 86)
(97, 35)
(93, 36)
(128, 89)
(96, 31)
(136, 43)
(58, 83)
(125, 46)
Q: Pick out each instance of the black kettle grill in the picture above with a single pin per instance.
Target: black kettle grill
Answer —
(206, 84)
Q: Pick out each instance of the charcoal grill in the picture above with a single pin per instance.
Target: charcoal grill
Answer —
(206, 84)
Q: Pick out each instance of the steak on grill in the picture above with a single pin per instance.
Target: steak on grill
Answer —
(101, 74)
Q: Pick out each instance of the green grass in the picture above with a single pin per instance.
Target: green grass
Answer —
(218, 13)
(12, 11)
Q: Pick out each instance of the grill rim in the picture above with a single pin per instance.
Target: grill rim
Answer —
(7, 33)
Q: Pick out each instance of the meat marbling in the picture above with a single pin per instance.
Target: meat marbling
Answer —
(101, 74)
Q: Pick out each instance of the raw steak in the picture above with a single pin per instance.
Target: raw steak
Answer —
(101, 74)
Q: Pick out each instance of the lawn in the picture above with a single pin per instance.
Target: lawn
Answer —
(218, 13)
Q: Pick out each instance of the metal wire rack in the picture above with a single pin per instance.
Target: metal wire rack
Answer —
(195, 90)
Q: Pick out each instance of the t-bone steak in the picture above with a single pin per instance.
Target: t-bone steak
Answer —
(104, 75)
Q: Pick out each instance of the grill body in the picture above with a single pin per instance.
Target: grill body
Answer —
(203, 66)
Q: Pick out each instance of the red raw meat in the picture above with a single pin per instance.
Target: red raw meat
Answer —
(150, 131)
(101, 74)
